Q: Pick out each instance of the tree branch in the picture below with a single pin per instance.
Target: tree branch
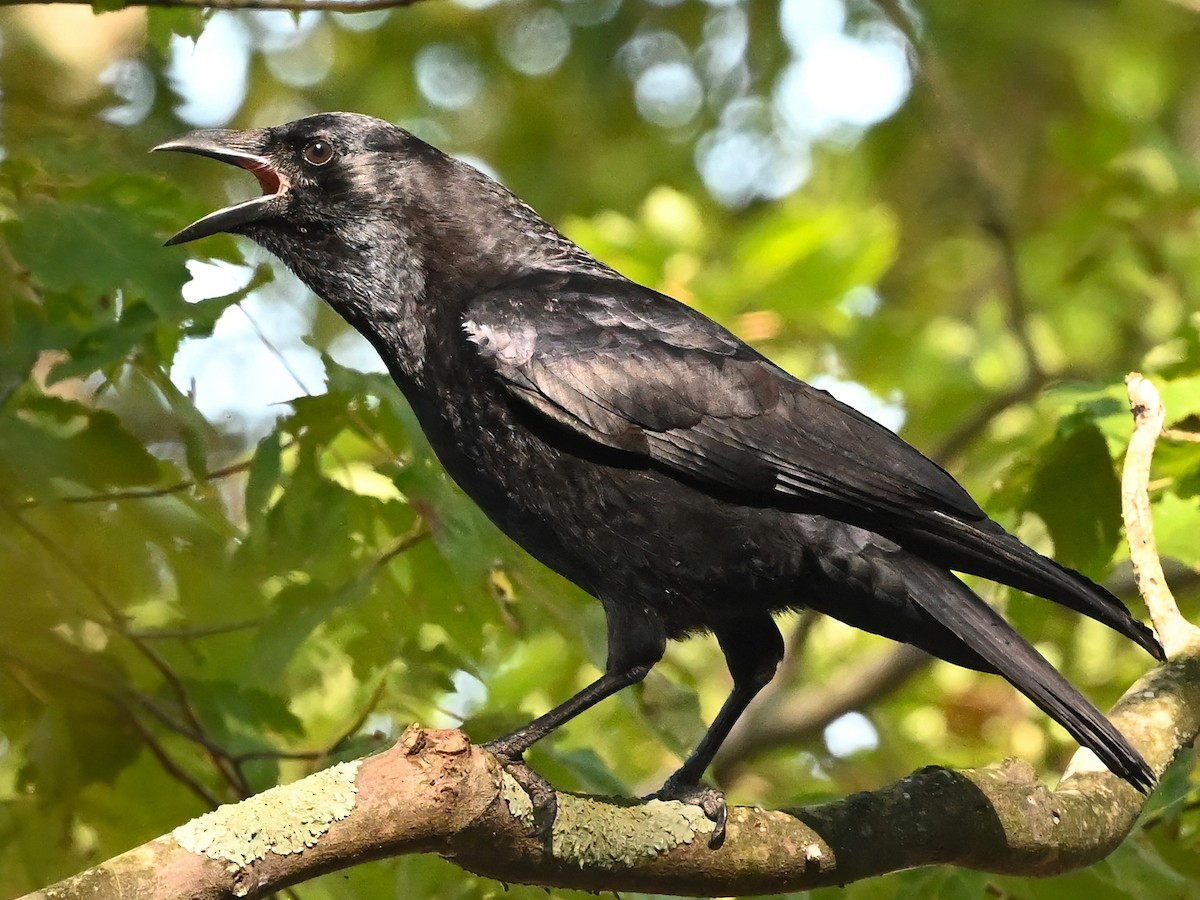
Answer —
(434, 792)
(150, 493)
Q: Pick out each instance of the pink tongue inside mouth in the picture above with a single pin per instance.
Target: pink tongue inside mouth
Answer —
(267, 177)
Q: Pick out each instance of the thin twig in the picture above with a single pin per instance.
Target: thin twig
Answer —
(202, 631)
(249, 755)
(965, 433)
(365, 713)
(996, 220)
(149, 493)
(1175, 632)
(1188, 803)
(183, 729)
(295, 376)
(1180, 434)
(169, 764)
(417, 533)
(220, 758)
(274, 350)
(123, 702)
(346, 6)
(317, 755)
(789, 716)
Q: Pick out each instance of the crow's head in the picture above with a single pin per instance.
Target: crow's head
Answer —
(363, 211)
(318, 174)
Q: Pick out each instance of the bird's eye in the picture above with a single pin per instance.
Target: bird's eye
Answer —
(317, 152)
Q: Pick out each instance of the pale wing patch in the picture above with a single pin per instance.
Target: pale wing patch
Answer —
(510, 347)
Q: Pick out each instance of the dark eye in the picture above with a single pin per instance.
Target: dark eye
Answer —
(317, 152)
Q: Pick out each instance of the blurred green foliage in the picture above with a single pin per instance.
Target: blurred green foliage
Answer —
(195, 606)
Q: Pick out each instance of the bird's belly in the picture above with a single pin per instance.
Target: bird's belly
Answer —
(627, 534)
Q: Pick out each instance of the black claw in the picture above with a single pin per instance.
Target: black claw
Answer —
(717, 838)
(541, 792)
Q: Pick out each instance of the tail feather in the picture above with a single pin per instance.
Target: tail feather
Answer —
(995, 554)
(956, 608)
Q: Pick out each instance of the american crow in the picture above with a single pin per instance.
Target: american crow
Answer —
(635, 446)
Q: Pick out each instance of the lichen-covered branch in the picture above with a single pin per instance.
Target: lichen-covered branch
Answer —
(435, 792)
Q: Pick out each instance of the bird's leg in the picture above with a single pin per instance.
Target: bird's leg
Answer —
(753, 649)
(510, 749)
(633, 649)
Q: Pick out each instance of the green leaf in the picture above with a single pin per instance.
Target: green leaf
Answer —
(1076, 492)
(299, 610)
(578, 770)
(202, 315)
(1137, 870)
(674, 711)
(1180, 397)
(1174, 787)
(164, 24)
(105, 346)
(944, 883)
(75, 743)
(109, 225)
(262, 480)
(193, 430)
(94, 449)
(240, 716)
(1177, 528)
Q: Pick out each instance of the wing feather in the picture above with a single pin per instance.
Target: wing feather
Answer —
(638, 371)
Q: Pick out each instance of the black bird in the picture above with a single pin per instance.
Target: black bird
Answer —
(634, 445)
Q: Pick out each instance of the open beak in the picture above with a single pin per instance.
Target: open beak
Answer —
(239, 148)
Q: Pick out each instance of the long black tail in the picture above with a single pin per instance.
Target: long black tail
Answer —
(987, 550)
(958, 610)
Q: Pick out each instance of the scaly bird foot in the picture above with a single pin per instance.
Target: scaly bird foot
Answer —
(710, 800)
(541, 792)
